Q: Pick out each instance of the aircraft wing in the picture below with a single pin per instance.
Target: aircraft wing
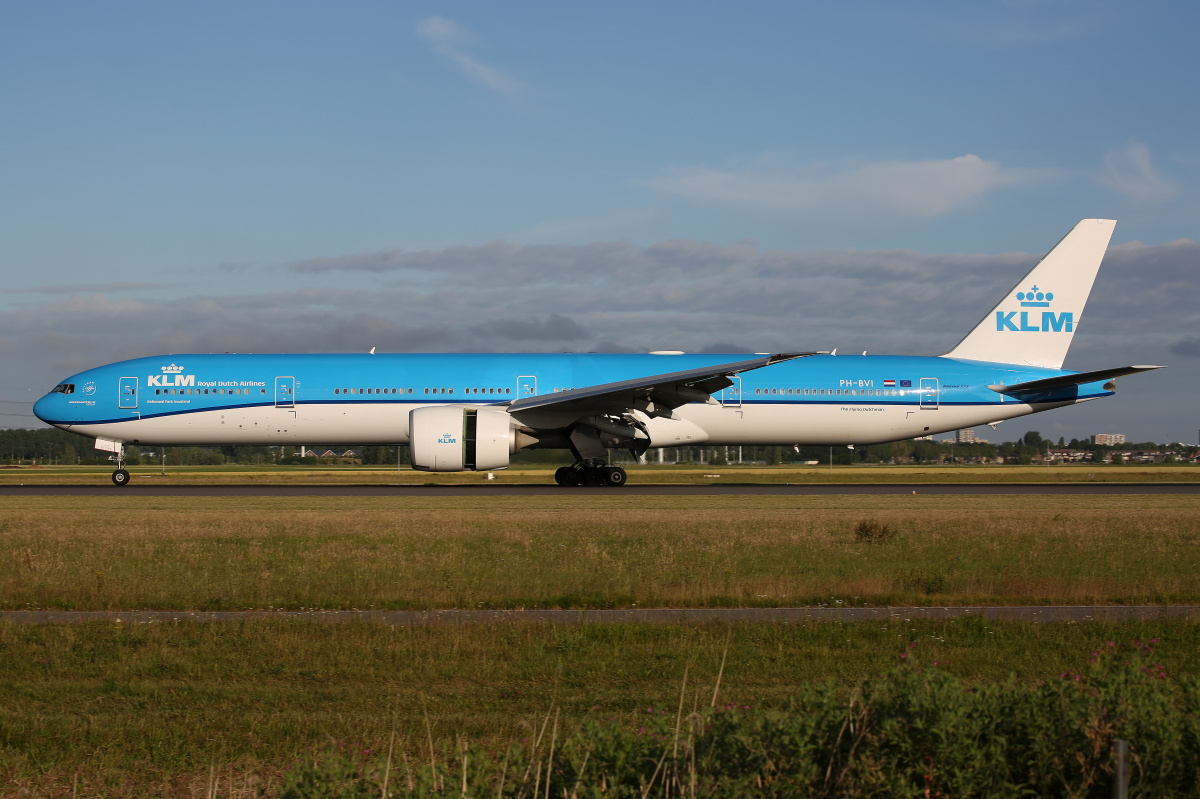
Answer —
(1077, 379)
(656, 395)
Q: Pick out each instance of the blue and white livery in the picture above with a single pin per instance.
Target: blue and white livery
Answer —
(472, 412)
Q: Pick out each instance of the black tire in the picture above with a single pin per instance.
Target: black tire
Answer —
(593, 478)
(566, 476)
(120, 478)
(615, 476)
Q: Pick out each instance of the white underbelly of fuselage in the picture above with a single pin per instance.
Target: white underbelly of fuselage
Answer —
(387, 424)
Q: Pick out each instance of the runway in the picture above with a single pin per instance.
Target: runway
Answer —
(542, 490)
(405, 618)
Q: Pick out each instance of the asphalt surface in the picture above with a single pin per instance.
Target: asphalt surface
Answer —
(542, 490)
(1043, 613)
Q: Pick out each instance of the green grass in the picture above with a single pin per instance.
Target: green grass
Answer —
(147, 710)
(603, 550)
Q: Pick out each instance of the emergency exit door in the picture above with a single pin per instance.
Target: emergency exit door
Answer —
(731, 396)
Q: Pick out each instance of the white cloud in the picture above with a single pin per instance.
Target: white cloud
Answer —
(450, 39)
(1129, 171)
(898, 190)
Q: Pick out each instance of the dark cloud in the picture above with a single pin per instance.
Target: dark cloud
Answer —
(555, 328)
(1188, 347)
(722, 347)
(617, 297)
(78, 288)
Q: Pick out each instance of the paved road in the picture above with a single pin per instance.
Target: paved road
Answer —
(1045, 613)
(540, 490)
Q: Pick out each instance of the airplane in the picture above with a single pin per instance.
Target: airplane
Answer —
(461, 412)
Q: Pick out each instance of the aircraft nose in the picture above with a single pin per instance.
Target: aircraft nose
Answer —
(41, 409)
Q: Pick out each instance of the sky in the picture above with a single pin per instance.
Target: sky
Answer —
(479, 176)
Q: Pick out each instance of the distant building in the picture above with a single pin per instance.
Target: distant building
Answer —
(923, 438)
(1109, 439)
(966, 436)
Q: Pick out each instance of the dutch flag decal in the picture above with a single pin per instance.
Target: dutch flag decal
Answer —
(889, 382)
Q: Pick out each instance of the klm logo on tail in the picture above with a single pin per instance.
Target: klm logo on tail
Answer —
(1050, 321)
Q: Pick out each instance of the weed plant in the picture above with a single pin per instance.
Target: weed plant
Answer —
(912, 731)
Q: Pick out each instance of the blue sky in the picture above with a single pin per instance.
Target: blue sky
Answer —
(170, 170)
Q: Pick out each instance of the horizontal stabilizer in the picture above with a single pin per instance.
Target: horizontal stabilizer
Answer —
(1077, 379)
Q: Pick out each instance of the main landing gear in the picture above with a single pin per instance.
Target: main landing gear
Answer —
(591, 474)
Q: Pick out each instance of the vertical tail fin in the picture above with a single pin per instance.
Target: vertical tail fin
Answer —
(1034, 323)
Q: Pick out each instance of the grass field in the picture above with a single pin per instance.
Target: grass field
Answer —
(607, 550)
(652, 474)
(131, 711)
(149, 710)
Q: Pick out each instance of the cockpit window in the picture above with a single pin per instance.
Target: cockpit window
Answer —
(64, 388)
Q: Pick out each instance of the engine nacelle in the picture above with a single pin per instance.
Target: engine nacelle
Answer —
(448, 438)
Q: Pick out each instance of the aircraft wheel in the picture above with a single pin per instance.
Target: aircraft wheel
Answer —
(120, 478)
(566, 476)
(615, 477)
(592, 477)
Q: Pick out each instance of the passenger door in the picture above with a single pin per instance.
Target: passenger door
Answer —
(929, 393)
(285, 392)
(128, 393)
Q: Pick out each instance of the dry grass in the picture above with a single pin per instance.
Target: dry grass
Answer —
(607, 550)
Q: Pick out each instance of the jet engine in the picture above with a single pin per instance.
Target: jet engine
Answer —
(449, 438)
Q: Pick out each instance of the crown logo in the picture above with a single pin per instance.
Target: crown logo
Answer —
(172, 369)
(1035, 298)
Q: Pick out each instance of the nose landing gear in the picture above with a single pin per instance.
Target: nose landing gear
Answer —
(120, 476)
(591, 474)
